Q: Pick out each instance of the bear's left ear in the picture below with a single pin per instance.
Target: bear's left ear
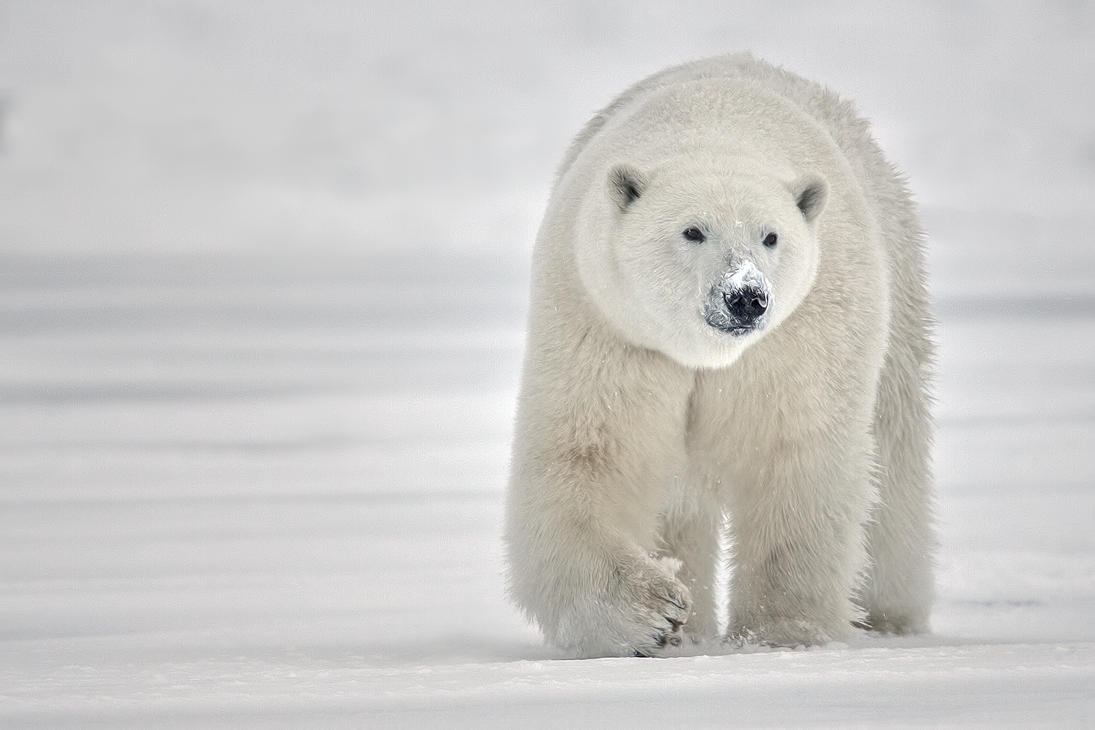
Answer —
(625, 185)
(811, 193)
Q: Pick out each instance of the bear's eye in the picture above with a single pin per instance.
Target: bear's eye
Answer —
(693, 234)
(770, 240)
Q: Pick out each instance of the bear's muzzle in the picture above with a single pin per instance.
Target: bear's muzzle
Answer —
(738, 303)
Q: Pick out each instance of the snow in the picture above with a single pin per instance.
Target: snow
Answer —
(263, 275)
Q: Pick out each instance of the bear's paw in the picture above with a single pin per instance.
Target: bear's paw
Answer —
(661, 605)
(641, 613)
(783, 632)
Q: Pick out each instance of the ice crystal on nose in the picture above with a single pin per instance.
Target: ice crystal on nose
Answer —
(746, 275)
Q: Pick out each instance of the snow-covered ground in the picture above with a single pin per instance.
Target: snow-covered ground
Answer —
(262, 291)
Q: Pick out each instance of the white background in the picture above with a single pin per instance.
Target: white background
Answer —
(263, 273)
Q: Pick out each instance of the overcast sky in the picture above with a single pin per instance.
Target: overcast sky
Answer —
(235, 126)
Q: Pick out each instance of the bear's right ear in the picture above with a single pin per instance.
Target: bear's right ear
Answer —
(626, 184)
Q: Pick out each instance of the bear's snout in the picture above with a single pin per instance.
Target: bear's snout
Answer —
(739, 302)
(747, 304)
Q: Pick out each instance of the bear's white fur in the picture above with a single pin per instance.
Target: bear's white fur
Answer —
(728, 317)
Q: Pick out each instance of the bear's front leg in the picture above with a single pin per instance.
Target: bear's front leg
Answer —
(598, 436)
(798, 533)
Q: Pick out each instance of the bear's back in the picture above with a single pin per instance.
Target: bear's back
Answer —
(838, 117)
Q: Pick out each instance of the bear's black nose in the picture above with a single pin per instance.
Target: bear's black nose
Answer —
(746, 304)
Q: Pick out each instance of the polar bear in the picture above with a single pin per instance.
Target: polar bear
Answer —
(728, 325)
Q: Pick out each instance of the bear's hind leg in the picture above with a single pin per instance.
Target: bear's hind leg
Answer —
(690, 533)
(897, 593)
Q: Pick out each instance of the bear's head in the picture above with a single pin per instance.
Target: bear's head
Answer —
(699, 261)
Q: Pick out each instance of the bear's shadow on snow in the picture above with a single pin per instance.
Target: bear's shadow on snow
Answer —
(453, 649)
